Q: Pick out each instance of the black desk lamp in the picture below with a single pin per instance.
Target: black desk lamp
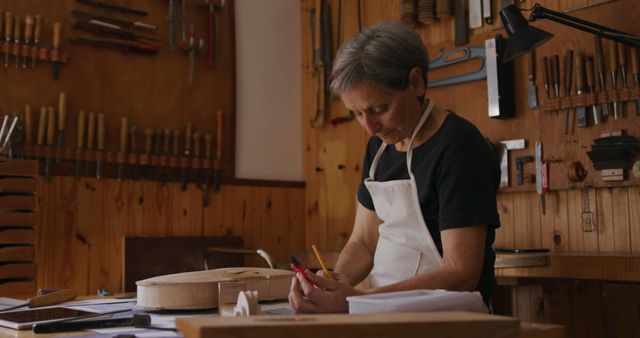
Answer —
(523, 38)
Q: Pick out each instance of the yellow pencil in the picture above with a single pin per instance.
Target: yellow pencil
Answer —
(324, 267)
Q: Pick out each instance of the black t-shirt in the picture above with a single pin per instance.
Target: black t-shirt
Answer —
(457, 175)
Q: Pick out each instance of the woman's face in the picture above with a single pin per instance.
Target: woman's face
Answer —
(390, 115)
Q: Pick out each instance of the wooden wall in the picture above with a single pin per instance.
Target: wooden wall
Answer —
(81, 224)
(333, 161)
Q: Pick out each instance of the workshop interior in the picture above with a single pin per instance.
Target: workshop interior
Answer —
(129, 162)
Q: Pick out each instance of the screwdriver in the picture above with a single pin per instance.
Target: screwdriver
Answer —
(53, 298)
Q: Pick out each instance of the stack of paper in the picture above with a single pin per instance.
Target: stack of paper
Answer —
(417, 301)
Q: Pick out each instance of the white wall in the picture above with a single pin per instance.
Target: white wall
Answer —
(269, 141)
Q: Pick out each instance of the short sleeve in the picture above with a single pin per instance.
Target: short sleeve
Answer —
(363, 195)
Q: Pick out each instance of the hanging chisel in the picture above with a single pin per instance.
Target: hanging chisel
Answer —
(124, 132)
(135, 169)
(568, 81)
(599, 63)
(171, 21)
(165, 154)
(28, 34)
(113, 7)
(119, 22)
(17, 37)
(185, 159)
(555, 70)
(91, 132)
(55, 64)
(80, 143)
(183, 32)
(148, 139)
(635, 67)
(8, 30)
(42, 130)
(28, 126)
(622, 63)
(487, 12)
(52, 298)
(581, 112)
(541, 175)
(546, 76)
(101, 145)
(212, 59)
(217, 174)
(51, 137)
(62, 115)
(196, 157)
(532, 95)
(475, 14)
(591, 88)
(208, 140)
(176, 155)
(157, 143)
(613, 65)
(36, 39)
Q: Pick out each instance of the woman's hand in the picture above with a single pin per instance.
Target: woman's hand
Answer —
(317, 294)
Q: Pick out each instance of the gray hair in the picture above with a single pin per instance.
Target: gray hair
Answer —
(383, 54)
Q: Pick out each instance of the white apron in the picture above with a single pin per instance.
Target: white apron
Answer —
(405, 247)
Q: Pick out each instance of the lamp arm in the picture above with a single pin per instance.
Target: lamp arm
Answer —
(540, 12)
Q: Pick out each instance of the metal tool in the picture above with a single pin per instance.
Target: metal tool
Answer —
(124, 133)
(500, 83)
(541, 175)
(532, 93)
(28, 125)
(183, 32)
(520, 162)
(568, 81)
(475, 14)
(111, 30)
(555, 71)
(622, 63)
(635, 68)
(195, 44)
(17, 37)
(208, 140)
(127, 46)
(91, 137)
(119, 22)
(62, 121)
(176, 153)
(591, 88)
(113, 7)
(546, 76)
(28, 35)
(581, 111)
(165, 154)
(55, 64)
(460, 23)
(51, 130)
(197, 137)
(36, 40)
(599, 64)
(457, 56)
(6, 131)
(487, 13)
(187, 155)
(217, 174)
(52, 298)
(613, 68)
(212, 46)
(148, 139)
(3, 129)
(80, 142)
(8, 30)
(102, 138)
(505, 147)
(135, 169)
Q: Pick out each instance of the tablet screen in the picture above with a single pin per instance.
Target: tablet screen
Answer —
(13, 319)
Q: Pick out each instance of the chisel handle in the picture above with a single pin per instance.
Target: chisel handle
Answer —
(132, 138)
(42, 126)
(91, 130)
(176, 142)
(157, 140)
(588, 64)
(622, 55)
(148, 137)
(579, 73)
(167, 140)
(568, 72)
(187, 139)
(208, 140)
(101, 131)
(53, 298)
(8, 26)
(51, 126)
(599, 56)
(62, 111)
(37, 31)
(82, 120)
(17, 34)
(196, 144)
(56, 35)
(555, 77)
(28, 28)
(124, 132)
(531, 70)
(28, 125)
(219, 134)
(613, 56)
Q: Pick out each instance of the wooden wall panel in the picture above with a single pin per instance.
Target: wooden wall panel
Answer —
(82, 224)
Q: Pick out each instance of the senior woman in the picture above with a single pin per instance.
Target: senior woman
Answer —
(426, 211)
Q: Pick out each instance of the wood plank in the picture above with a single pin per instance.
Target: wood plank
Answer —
(605, 221)
(523, 303)
(17, 202)
(590, 238)
(521, 233)
(505, 234)
(520, 260)
(17, 184)
(16, 289)
(561, 222)
(17, 236)
(634, 218)
(547, 222)
(18, 269)
(534, 213)
(574, 211)
(434, 324)
(620, 300)
(536, 303)
(621, 226)
(16, 167)
(14, 218)
(17, 253)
